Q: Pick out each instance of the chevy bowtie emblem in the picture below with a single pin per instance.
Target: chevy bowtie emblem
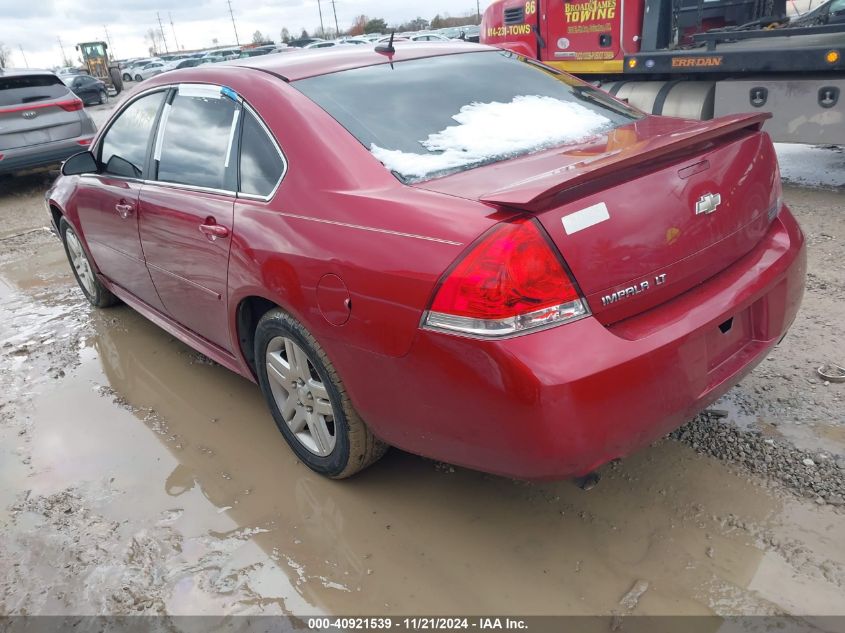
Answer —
(708, 203)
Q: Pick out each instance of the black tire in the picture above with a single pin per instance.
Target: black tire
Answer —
(104, 97)
(127, 77)
(355, 445)
(98, 296)
(139, 78)
(116, 80)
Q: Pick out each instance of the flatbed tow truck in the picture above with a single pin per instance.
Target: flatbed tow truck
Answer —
(693, 58)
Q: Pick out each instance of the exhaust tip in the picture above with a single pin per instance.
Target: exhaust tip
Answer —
(588, 481)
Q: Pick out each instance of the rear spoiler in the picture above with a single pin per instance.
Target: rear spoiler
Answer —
(534, 191)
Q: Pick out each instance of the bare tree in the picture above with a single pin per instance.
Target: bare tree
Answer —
(358, 25)
(5, 53)
(258, 37)
(285, 35)
(153, 37)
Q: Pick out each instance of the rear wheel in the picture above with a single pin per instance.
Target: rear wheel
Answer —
(139, 78)
(308, 401)
(127, 77)
(104, 97)
(96, 293)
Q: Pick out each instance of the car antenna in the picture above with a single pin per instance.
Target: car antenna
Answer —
(381, 48)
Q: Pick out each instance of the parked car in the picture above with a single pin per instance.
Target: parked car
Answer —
(188, 62)
(349, 41)
(471, 33)
(226, 53)
(41, 121)
(321, 44)
(130, 71)
(149, 70)
(550, 280)
(210, 59)
(254, 52)
(304, 41)
(451, 32)
(91, 90)
(429, 37)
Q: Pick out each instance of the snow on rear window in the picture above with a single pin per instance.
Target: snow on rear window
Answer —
(487, 132)
(436, 115)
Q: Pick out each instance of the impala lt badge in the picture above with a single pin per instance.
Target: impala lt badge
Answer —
(708, 203)
(632, 291)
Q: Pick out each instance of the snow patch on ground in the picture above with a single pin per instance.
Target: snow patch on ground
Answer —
(487, 132)
(812, 166)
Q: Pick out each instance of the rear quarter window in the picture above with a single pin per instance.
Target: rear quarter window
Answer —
(23, 89)
(261, 164)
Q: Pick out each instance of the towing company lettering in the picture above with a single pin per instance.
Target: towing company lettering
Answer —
(591, 11)
(695, 62)
(513, 29)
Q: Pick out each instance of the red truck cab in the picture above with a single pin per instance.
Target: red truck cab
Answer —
(578, 36)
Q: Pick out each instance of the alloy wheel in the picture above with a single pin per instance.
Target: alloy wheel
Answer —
(301, 396)
(80, 263)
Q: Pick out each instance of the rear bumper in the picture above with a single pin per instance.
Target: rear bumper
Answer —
(561, 402)
(41, 155)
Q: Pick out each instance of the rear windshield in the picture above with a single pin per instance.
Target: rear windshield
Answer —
(439, 115)
(24, 89)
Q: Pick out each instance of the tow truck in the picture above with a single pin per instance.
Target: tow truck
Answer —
(693, 58)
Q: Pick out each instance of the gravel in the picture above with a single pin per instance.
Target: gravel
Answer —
(816, 476)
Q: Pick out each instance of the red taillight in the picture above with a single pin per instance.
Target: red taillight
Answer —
(85, 141)
(776, 203)
(70, 106)
(511, 281)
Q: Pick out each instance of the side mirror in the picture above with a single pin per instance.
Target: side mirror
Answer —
(81, 163)
(118, 166)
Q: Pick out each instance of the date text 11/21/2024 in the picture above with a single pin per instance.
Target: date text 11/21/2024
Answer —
(416, 624)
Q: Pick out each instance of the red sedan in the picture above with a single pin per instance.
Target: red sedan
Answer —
(445, 248)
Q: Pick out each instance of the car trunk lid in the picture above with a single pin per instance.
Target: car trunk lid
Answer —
(647, 211)
(31, 111)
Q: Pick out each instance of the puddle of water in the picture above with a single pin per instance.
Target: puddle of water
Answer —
(157, 482)
(807, 435)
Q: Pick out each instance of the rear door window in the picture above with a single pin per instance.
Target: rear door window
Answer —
(126, 142)
(196, 138)
(24, 89)
(261, 165)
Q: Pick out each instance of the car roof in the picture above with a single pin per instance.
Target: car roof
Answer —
(8, 72)
(314, 62)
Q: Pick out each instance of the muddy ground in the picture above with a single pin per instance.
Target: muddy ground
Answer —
(137, 477)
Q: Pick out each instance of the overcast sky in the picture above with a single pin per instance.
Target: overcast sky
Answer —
(36, 25)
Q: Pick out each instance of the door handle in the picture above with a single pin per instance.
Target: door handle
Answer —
(123, 209)
(213, 230)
